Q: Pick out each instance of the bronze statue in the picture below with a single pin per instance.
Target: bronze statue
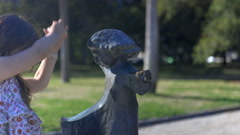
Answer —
(116, 113)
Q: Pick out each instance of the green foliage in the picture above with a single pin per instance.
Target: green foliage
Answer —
(43, 11)
(169, 8)
(87, 17)
(6, 7)
(221, 30)
(33, 11)
(180, 27)
(189, 29)
(180, 23)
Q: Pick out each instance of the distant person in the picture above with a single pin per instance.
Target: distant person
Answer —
(21, 48)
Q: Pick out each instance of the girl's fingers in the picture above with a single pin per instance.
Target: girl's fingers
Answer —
(48, 29)
(57, 26)
(54, 21)
(60, 20)
(45, 31)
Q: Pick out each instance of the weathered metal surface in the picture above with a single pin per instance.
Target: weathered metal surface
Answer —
(116, 113)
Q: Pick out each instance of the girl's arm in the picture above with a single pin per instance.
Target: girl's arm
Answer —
(43, 74)
(20, 62)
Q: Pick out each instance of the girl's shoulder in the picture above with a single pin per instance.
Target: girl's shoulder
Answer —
(9, 81)
(11, 103)
(10, 89)
(8, 93)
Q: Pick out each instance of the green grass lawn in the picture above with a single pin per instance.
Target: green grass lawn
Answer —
(173, 97)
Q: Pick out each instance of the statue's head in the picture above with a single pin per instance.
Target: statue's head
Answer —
(110, 45)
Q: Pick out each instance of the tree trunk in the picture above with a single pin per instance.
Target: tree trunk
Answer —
(151, 60)
(64, 50)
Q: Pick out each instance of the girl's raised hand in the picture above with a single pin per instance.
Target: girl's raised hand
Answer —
(57, 27)
(57, 30)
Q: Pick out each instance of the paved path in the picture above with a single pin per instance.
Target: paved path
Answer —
(227, 123)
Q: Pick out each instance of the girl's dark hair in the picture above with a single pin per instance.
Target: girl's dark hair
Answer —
(16, 35)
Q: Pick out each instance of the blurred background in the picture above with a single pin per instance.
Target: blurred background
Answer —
(200, 32)
(191, 46)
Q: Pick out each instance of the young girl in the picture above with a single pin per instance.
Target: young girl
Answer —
(21, 48)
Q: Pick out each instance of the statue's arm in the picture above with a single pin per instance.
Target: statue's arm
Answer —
(140, 82)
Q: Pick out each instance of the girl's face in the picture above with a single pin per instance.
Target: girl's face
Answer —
(102, 58)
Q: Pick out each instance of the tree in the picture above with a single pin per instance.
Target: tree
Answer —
(181, 25)
(89, 16)
(64, 50)
(151, 59)
(221, 30)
